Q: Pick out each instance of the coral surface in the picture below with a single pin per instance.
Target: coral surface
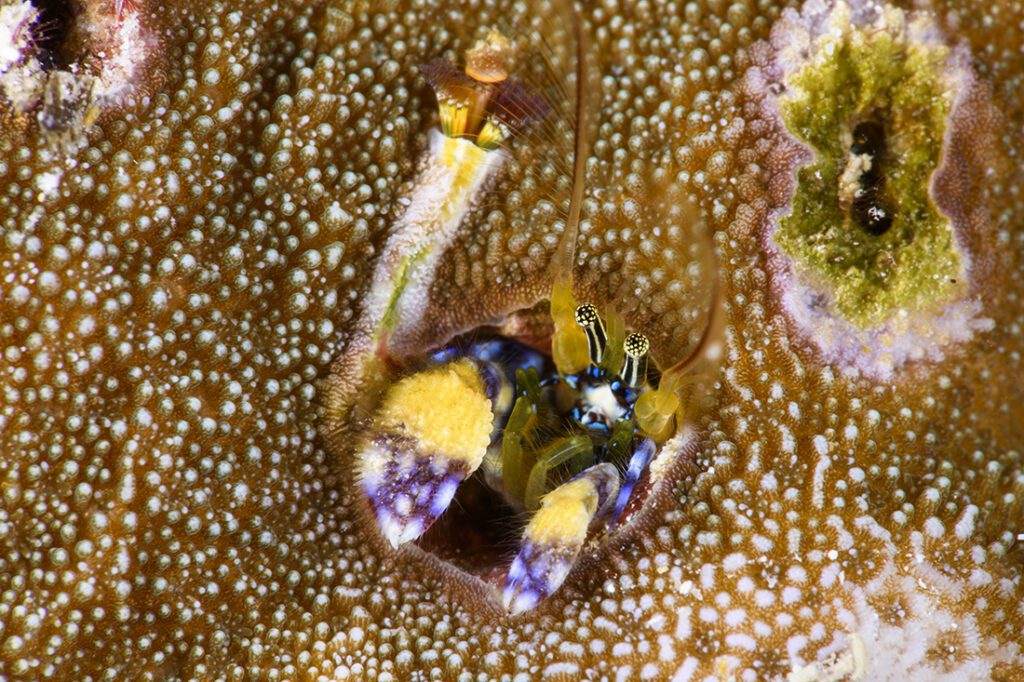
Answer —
(183, 260)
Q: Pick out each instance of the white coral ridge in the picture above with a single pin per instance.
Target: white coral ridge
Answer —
(879, 351)
(849, 665)
(14, 34)
(120, 66)
(21, 75)
(905, 336)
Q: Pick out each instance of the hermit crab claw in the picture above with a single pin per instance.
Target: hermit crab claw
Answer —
(555, 535)
(410, 494)
(429, 435)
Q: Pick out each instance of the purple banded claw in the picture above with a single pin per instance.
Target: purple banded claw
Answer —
(429, 435)
(555, 535)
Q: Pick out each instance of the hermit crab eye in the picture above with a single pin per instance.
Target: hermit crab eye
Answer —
(634, 365)
(589, 320)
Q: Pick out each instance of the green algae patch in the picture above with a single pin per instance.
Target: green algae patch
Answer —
(873, 102)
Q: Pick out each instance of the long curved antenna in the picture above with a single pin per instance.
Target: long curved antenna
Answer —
(716, 291)
(565, 255)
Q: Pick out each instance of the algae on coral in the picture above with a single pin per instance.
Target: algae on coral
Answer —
(884, 74)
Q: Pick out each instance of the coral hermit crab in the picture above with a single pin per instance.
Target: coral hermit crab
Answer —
(559, 435)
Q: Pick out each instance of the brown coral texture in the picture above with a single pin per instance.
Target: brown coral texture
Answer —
(192, 199)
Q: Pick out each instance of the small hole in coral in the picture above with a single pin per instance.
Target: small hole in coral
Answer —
(871, 208)
(51, 31)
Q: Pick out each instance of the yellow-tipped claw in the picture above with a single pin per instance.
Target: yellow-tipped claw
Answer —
(556, 534)
(559, 453)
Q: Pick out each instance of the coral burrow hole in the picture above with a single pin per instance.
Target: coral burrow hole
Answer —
(872, 102)
(862, 185)
(52, 27)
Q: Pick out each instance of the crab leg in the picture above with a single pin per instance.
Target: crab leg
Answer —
(558, 453)
(555, 535)
(638, 464)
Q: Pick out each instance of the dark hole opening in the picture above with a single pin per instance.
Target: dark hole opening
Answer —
(51, 31)
(478, 534)
(871, 207)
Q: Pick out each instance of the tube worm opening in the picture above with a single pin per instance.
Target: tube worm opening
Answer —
(875, 259)
(50, 33)
(871, 206)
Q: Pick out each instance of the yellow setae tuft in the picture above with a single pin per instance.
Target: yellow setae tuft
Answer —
(445, 408)
(564, 514)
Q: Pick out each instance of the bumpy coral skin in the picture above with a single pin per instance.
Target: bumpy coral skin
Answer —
(171, 301)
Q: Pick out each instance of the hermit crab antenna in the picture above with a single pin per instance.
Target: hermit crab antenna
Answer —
(716, 301)
(588, 318)
(565, 255)
(634, 364)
